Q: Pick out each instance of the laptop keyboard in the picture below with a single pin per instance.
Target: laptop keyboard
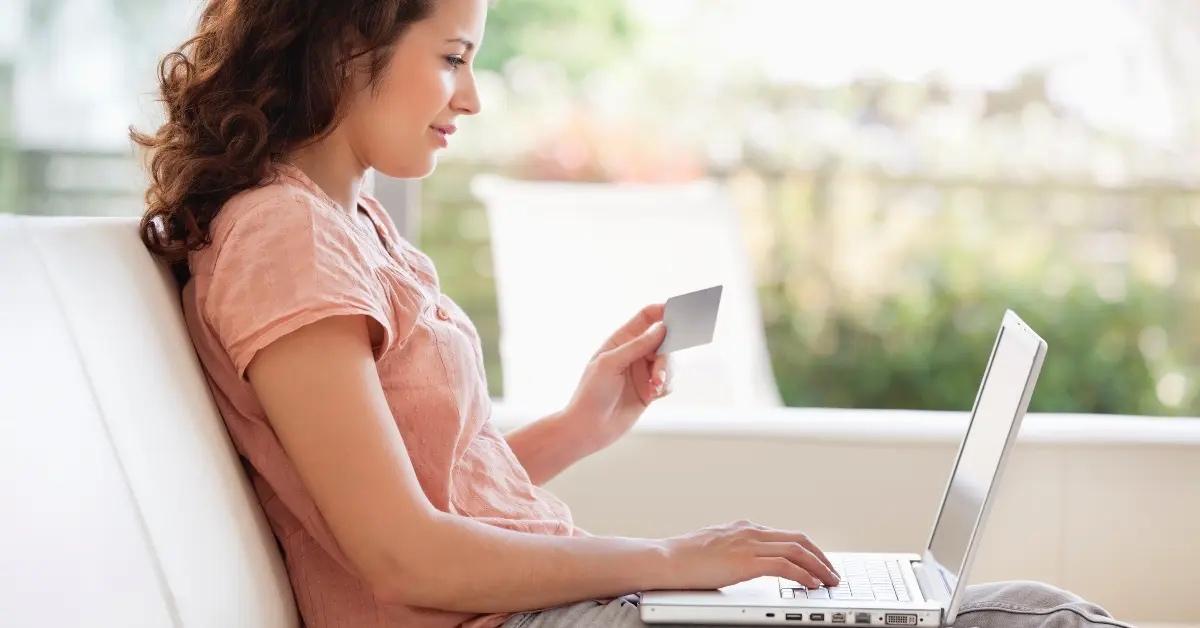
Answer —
(862, 579)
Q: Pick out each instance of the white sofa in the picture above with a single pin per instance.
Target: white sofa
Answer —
(124, 503)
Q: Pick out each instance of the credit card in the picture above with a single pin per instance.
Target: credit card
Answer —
(690, 319)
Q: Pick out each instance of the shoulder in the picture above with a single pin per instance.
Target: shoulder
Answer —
(276, 213)
(280, 204)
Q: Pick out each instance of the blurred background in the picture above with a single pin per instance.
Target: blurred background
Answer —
(902, 171)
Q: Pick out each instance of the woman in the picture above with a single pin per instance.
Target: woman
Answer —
(355, 389)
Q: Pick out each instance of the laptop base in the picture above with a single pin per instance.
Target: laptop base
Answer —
(758, 602)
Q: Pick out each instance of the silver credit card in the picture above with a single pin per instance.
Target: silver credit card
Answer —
(690, 319)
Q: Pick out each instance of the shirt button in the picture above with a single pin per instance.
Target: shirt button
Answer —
(442, 314)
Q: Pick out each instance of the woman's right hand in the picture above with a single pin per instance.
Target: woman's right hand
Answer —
(725, 554)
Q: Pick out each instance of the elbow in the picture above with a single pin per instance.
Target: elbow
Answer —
(394, 591)
(403, 584)
(411, 575)
(424, 591)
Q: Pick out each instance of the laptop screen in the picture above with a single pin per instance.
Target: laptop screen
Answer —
(996, 409)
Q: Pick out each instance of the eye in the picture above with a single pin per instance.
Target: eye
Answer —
(455, 61)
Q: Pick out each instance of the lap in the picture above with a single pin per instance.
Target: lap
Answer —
(1013, 604)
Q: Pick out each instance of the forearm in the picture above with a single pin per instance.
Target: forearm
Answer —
(476, 567)
(547, 446)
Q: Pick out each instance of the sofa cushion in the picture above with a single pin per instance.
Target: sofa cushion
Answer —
(109, 339)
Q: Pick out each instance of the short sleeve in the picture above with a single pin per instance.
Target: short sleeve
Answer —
(284, 264)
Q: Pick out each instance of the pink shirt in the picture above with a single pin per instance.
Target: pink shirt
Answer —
(284, 255)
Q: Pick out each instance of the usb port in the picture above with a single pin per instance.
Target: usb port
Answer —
(794, 616)
(900, 619)
(816, 617)
(862, 618)
(838, 618)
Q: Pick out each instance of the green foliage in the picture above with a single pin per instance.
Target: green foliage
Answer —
(922, 345)
(943, 260)
(915, 357)
(579, 36)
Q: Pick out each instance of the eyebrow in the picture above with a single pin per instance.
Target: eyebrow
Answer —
(470, 45)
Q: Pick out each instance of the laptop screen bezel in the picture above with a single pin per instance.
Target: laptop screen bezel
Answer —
(950, 593)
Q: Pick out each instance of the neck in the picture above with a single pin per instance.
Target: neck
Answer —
(333, 166)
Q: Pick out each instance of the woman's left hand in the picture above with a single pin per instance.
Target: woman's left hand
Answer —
(621, 380)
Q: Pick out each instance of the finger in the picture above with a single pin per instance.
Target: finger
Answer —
(636, 326)
(668, 386)
(796, 536)
(624, 355)
(639, 373)
(799, 554)
(658, 372)
(784, 568)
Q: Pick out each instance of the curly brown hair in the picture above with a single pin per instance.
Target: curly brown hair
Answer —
(258, 79)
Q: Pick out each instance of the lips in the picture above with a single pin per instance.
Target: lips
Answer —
(448, 129)
(441, 135)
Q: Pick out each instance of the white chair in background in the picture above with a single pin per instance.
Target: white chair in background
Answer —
(575, 261)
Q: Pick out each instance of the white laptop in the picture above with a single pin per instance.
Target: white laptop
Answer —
(902, 589)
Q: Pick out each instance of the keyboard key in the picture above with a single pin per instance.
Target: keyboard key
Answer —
(818, 594)
(869, 579)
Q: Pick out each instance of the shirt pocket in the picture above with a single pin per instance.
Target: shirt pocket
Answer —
(407, 303)
(457, 339)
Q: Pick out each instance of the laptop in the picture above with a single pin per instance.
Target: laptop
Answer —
(895, 589)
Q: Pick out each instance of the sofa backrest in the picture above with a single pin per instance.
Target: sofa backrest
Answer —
(124, 501)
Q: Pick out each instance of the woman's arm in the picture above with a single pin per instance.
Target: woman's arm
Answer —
(548, 446)
(482, 568)
(321, 391)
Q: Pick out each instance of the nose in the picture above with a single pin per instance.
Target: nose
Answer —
(466, 97)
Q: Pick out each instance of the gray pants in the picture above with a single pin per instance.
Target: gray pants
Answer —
(1017, 604)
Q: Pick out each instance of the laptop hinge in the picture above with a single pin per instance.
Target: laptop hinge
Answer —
(932, 587)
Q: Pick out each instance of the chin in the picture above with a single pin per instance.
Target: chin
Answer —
(430, 166)
(417, 169)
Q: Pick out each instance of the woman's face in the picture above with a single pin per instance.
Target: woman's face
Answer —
(427, 84)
